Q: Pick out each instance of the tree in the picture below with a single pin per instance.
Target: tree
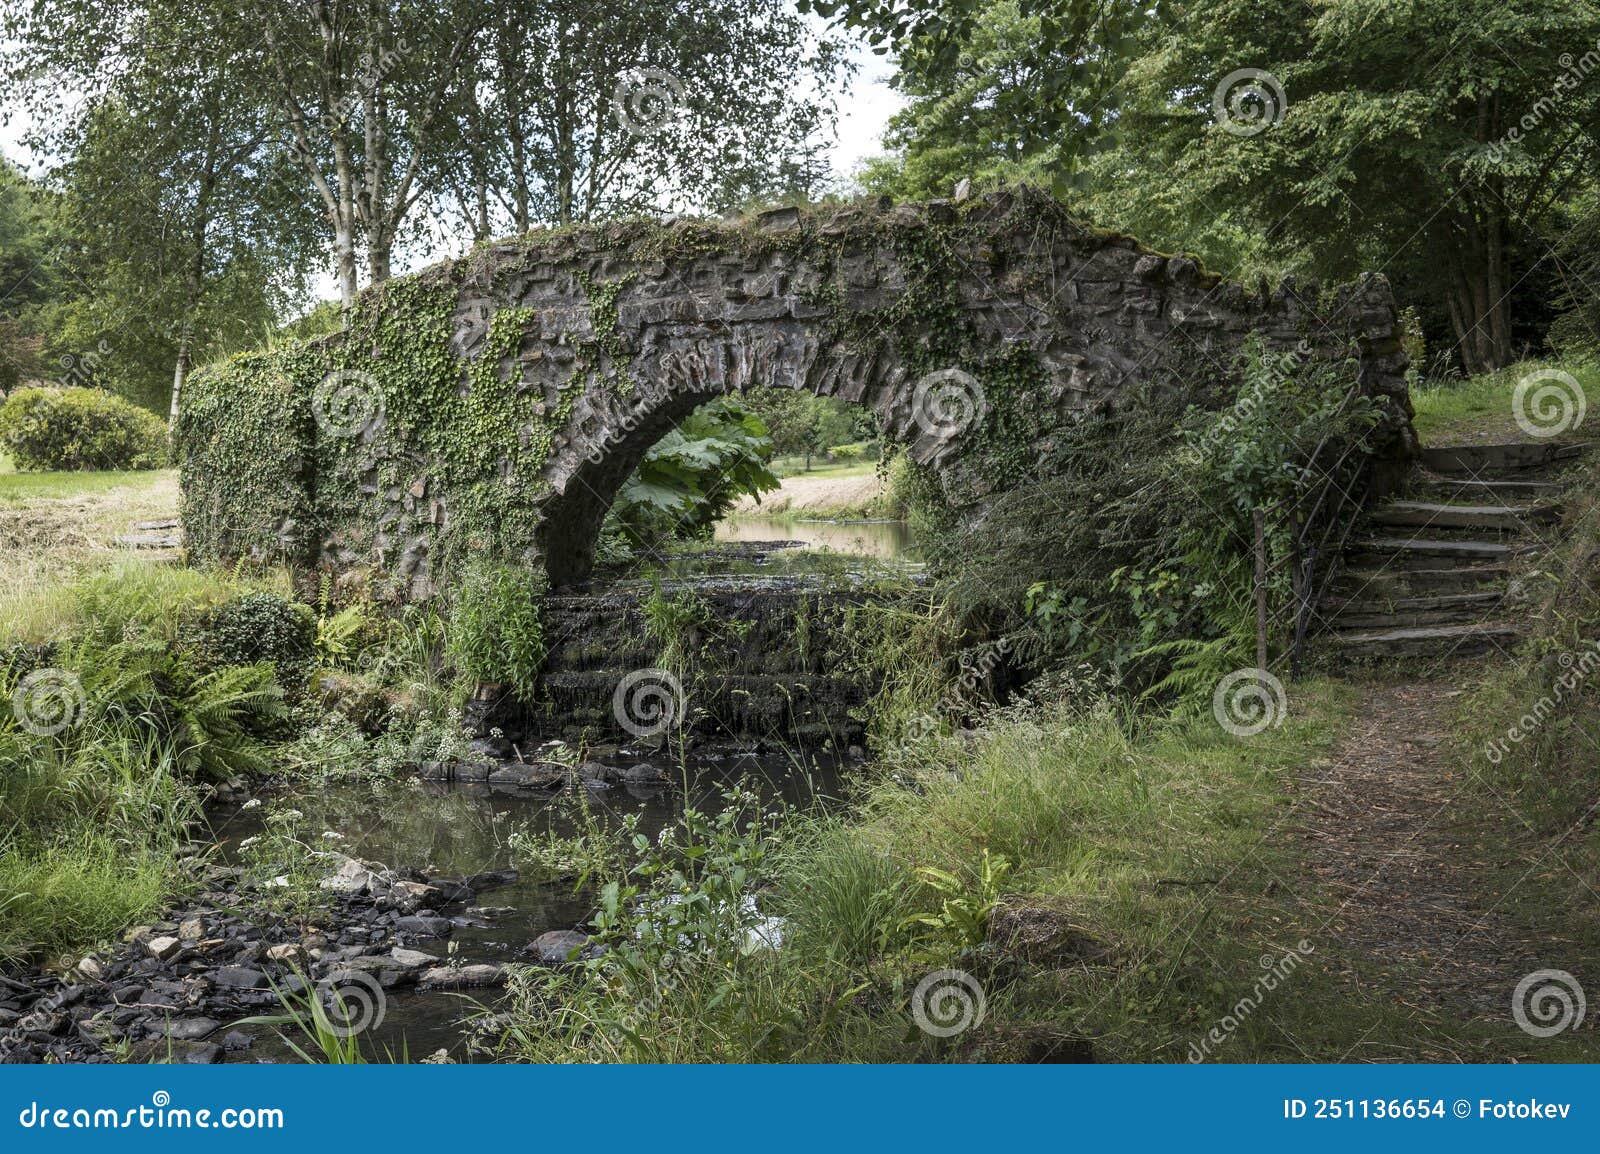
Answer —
(998, 88)
(580, 111)
(362, 88)
(1436, 140)
(26, 274)
(177, 235)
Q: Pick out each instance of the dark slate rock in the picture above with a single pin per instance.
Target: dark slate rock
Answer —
(190, 1029)
(240, 978)
(418, 926)
(553, 948)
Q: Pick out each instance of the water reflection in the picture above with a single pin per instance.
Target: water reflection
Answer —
(459, 829)
(889, 540)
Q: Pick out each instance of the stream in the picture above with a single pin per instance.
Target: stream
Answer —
(460, 829)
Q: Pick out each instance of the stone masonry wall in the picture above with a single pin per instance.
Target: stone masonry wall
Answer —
(497, 402)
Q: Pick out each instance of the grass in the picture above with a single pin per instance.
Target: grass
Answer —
(55, 527)
(1527, 735)
(17, 488)
(840, 490)
(1481, 408)
(1140, 852)
(56, 901)
(92, 818)
(1132, 875)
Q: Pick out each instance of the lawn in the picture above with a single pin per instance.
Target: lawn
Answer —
(1482, 409)
(55, 526)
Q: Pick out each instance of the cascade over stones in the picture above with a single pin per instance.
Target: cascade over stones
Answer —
(494, 404)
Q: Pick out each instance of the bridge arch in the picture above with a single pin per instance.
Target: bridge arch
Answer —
(513, 391)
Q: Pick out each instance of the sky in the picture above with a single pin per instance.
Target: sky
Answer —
(864, 111)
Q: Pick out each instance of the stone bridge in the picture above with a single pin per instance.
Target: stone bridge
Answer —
(494, 404)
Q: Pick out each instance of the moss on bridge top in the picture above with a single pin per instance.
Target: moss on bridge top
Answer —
(466, 406)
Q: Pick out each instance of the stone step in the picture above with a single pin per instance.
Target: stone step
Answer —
(1492, 518)
(1394, 584)
(1479, 492)
(1364, 612)
(1492, 460)
(1429, 641)
(1417, 553)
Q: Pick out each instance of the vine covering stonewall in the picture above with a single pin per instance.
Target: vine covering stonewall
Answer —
(433, 429)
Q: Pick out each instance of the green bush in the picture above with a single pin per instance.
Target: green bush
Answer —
(78, 428)
(261, 627)
(496, 629)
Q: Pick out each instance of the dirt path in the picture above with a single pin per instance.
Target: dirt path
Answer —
(1419, 915)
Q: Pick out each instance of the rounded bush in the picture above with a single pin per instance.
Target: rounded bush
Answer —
(262, 627)
(79, 428)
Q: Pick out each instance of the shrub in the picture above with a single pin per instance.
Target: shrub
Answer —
(496, 631)
(262, 627)
(79, 428)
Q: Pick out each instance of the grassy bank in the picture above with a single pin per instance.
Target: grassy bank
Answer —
(55, 527)
(1529, 731)
(844, 491)
(1481, 409)
(1111, 885)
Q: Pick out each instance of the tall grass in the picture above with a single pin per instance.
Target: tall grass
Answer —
(93, 815)
(1480, 408)
(1141, 844)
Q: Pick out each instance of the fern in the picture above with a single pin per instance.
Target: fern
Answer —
(1197, 666)
(223, 715)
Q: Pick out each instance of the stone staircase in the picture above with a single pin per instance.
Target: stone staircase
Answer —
(1429, 575)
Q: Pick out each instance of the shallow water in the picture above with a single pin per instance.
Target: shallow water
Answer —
(887, 540)
(456, 829)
